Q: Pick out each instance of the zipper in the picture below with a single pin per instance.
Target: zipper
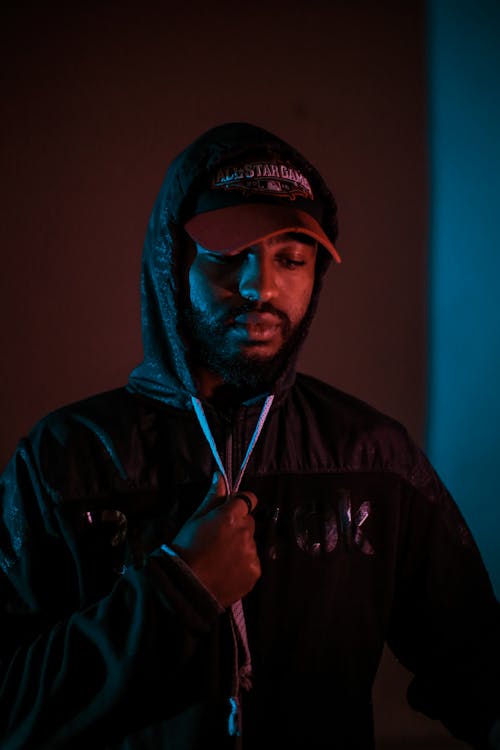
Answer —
(229, 455)
(242, 675)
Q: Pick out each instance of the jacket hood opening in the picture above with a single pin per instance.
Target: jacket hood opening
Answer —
(165, 373)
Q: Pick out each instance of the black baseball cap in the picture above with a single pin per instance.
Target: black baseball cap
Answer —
(255, 198)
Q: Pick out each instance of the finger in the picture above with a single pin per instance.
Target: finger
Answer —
(249, 498)
(214, 497)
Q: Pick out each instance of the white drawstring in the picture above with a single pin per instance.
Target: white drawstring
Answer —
(231, 488)
(258, 429)
(198, 408)
(243, 674)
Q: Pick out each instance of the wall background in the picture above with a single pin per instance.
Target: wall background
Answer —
(98, 97)
(463, 428)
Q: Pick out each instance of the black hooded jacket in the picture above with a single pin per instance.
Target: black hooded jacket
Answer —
(107, 641)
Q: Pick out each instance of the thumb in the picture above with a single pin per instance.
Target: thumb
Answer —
(214, 497)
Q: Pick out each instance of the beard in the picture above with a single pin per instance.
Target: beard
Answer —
(246, 371)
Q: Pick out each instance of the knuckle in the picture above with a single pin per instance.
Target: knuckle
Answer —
(228, 513)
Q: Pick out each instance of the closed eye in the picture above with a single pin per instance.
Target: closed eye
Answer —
(228, 259)
(290, 263)
(222, 258)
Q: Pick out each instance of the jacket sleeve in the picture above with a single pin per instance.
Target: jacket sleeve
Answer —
(445, 623)
(77, 678)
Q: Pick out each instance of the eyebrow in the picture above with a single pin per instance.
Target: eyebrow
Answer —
(305, 239)
(281, 241)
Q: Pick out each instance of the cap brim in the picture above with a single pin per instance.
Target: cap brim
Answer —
(236, 227)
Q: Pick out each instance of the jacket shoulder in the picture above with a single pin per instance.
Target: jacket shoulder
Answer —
(101, 408)
(348, 409)
(363, 438)
(72, 440)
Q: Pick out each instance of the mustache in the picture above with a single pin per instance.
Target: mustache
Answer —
(255, 307)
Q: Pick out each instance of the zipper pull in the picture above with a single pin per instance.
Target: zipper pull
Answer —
(234, 717)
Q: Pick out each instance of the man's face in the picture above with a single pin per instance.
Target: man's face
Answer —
(246, 307)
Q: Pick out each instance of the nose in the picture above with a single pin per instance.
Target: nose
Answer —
(257, 279)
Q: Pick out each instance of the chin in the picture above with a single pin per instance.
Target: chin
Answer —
(258, 352)
(261, 350)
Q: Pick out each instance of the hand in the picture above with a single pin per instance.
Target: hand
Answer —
(217, 542)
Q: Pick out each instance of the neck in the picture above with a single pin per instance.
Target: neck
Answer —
(207, 382)
(213, 388)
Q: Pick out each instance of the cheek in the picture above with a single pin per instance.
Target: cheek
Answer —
(200, 290)
(299, 294)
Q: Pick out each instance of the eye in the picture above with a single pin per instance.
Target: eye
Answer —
(221, 259)
(290, 263)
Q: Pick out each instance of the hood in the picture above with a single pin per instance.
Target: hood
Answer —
(164, 373)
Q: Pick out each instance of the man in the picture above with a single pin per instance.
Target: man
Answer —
(215, 555)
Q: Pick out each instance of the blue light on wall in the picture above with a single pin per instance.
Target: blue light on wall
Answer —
(463, 436)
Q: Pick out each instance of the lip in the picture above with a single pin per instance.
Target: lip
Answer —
(259, 327)
(258, 319)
